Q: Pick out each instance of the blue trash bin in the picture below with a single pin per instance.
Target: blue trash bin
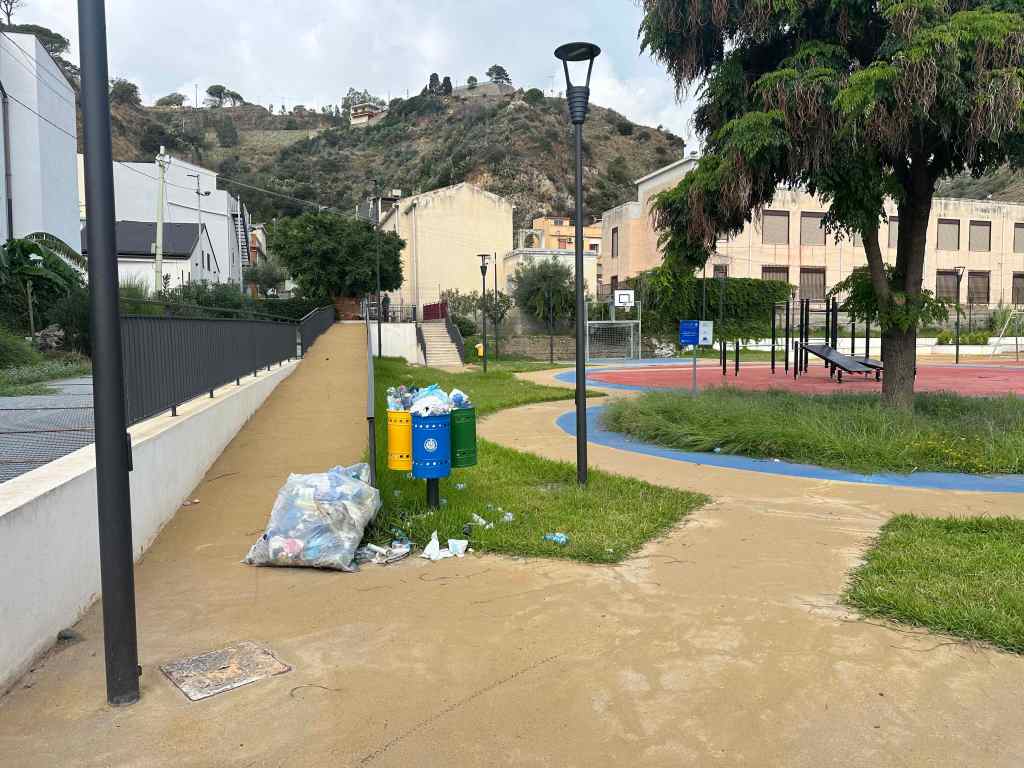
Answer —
(431, 446)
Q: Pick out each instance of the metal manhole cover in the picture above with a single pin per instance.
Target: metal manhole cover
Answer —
(208, 674)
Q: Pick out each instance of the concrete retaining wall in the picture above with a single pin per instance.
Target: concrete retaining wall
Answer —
(398, 340)
(49, 566)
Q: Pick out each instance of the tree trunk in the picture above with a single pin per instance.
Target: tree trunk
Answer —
(899, 352)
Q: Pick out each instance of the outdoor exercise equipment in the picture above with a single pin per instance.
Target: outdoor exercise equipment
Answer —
(802, 348)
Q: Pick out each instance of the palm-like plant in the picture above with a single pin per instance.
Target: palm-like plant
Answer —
(24, 259)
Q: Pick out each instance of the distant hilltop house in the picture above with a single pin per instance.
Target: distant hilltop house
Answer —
(366, 113)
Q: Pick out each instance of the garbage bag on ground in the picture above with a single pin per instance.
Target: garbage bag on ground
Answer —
(318, 520)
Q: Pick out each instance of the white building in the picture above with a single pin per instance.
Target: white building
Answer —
(136, 195)
(38, 137)
(187, 257)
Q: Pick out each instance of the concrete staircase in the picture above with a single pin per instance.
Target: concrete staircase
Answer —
(441, 352)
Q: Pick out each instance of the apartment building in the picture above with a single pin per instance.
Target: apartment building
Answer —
(445, 232)
(629, 239)
(559, 233)
(982, 239)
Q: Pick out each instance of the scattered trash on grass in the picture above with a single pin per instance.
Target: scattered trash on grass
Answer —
(718, 450)
(458, 547)
(508, 517)
(560, 539)
(467, 530)
(481, 522)
(460, 486)
(318, 520)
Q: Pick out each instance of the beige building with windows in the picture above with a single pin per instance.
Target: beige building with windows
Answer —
(629, 239)
(445, 231)
(559, 233)
(525, 256)
(983, 237)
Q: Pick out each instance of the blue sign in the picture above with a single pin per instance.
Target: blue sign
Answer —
(689, 332)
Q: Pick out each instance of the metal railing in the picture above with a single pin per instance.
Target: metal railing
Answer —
(313, 325)
(169, 360)
(456, 336)
(401, 314)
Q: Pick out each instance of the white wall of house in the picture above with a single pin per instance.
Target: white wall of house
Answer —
(136, 194)
(41, 154)
(202, 265)
(398, 340)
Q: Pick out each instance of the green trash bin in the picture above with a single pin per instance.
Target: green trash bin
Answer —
(463, 438)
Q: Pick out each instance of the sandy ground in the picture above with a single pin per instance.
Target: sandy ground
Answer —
(722, 644)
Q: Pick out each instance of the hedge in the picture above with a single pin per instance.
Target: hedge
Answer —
(747, 303)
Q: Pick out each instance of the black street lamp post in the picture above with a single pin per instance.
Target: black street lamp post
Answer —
(380, 319)
(959, 279)
(578, 98)
(113, 450)
(483, 300)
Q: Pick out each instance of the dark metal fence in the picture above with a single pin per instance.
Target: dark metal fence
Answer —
(313, 325)
(168, 361)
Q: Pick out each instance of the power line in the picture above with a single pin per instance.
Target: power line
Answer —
(31, 59)
(16, 100)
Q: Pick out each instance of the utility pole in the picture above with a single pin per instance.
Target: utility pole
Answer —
(199, 214)
(161, 161)
(113, 449)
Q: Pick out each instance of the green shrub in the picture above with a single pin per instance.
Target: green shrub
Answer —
(15, 351)
(534, 97)
(625, 128)
(945, 337)
(72, 315)
(466, 325)
(978, 338)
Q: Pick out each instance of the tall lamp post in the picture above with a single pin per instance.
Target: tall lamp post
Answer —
(483, 300)
(113, 449)
(578, 97)
(376, 202)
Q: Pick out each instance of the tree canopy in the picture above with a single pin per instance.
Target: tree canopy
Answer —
(498, 74)
(124, 92)
(545, 289)
(171, 100)
(331, 256)
(856, 102)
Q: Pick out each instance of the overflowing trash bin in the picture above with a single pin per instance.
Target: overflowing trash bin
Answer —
(435, 429)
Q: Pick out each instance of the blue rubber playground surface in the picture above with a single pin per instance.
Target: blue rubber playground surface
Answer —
(597, 434)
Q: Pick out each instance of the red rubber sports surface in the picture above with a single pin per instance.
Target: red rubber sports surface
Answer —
(976, 381)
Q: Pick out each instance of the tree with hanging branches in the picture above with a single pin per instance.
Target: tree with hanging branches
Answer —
(41, 260)
(856, 102)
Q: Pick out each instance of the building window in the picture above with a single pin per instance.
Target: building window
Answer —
(721, 271)
(949, 235)
(812, 283)
(977, 287)
(894, 231)
(595, 247)
(564, 243)
(811, 230)
(945, 285)
(559, 222)
(980, 236)
(615, 242)
(1017, 292)
(775, 228)
(615, 282)
(1018, 238)
(771, 272)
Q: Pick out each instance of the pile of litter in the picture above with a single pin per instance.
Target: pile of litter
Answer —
(429, 401)
(318, 520)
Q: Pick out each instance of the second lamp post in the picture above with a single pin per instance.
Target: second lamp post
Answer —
(483, 301)
(578, 97)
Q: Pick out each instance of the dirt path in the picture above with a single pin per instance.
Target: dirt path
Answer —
(721, 645)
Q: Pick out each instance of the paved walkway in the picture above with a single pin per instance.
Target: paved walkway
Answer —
(722, 644)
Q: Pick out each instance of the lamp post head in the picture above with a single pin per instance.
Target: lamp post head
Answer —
(578, 96)
(483, 263)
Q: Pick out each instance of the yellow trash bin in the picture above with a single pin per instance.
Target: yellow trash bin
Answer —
(400, 441)
(480, 350)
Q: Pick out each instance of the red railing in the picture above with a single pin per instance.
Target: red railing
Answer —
(438, 311)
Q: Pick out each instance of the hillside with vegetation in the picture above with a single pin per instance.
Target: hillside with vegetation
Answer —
(511, 142)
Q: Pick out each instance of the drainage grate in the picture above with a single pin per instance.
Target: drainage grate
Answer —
(208, 674)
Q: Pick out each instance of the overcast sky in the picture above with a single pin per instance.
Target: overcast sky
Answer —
(311, 52)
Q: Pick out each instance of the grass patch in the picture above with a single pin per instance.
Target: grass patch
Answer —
(48, 369)
(964, 577)
(24, 390)
(609, 520)
(944, 432)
